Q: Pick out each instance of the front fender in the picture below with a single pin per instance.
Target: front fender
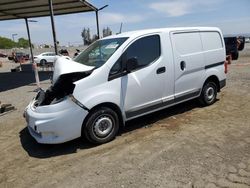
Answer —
(107, 92)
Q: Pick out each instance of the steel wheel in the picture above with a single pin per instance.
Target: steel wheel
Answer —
(208, 94)
(101, 126)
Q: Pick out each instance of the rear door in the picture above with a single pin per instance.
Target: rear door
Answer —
(214, 51)
(188, 63)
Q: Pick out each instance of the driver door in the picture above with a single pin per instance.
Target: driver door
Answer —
(142, 89)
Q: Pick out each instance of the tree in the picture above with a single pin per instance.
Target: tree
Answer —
(87, 39)
(22, 43)
(6, 43)
(86, 36)
(106, 32)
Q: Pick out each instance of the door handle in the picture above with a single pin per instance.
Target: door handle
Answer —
(161, 70)
(183, 65)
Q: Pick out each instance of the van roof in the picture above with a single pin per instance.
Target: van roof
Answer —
(159, 30)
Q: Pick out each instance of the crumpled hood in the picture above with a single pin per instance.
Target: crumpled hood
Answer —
(65, 65)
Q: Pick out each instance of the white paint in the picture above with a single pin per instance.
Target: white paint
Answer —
(133, 91)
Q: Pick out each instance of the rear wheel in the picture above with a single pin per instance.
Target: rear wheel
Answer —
(101, 126)
(208, 94)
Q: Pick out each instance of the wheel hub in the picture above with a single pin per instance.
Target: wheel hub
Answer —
(103, 126)
(210, 93)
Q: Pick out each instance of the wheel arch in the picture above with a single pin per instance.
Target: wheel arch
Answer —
(214, 79)
(110, 105)
(42, 61)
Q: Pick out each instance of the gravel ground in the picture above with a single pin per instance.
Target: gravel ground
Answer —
(183, 146)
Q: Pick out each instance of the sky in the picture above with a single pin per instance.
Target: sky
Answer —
(231, 16)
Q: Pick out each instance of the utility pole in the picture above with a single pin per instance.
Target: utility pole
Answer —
(120, 29)
(13, 35)
(53, 24)
(97, 20)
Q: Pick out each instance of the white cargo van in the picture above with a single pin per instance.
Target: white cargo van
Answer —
(121, 77)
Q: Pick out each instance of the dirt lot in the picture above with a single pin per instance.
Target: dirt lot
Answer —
(184, 146)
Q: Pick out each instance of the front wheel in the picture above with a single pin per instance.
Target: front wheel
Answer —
(102, 125)
(208, 94)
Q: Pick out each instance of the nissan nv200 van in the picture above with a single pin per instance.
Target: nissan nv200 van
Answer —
(125, 76)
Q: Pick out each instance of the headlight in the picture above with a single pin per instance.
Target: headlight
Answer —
(55, 101)
(78, 102)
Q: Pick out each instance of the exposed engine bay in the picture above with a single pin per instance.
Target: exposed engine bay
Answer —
(63, 87)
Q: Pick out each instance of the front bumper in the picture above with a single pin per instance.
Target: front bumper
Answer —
(37, 61)
(55, 123)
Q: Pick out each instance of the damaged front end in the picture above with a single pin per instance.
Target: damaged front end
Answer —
(55, 116)
(64, 86)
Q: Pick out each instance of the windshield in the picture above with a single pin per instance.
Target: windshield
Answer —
(99, 52)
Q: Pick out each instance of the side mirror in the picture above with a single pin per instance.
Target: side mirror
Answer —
(132, 64)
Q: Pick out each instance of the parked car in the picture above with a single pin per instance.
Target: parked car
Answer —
(19, 56)
(122, 77)
(3, 55)
(45, 58)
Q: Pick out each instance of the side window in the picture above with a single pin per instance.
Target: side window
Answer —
(146, 50)
(117, 67)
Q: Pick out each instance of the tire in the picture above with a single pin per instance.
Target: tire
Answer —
(235, 55)
(43, 62)
(208, 94)
(101, 126)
